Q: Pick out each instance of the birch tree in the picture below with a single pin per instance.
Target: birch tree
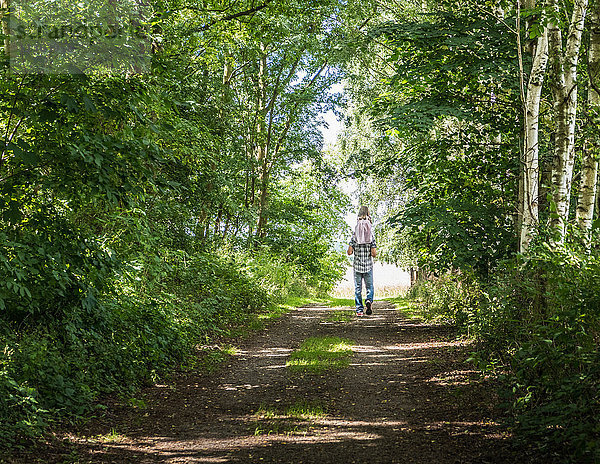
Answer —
(531, 97)
(563, 60)
(3, 20)
(589, 170)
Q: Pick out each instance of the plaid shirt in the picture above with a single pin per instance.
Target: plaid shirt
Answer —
(363, 262)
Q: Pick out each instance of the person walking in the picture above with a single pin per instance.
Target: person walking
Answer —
(363, 246)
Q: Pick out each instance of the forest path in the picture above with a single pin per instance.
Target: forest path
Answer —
(407, 397)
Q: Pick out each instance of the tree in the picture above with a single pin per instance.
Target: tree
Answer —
(563, 81)
(446, 105)
(286, 79)
(4, 20)
(589, 170)
(119, 194)
(531, 97)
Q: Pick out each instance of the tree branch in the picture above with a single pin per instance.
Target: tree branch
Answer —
(233, 16)
(291, 117)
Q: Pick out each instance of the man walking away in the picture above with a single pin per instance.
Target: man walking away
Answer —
(363, 245)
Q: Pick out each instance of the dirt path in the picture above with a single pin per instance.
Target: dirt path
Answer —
(407, 397)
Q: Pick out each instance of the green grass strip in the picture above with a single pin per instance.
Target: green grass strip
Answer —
(407, 307)
(295, 419)
(318, 354)
(341, 316)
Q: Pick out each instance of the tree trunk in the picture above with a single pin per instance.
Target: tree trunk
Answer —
(262, 144)
(564, 91)
(530, 164)
(5, 31)
(589, 171)
(227, 224)
(413, 276)
(262, 201)
(218, 220)
(226, 91)
(271, 128)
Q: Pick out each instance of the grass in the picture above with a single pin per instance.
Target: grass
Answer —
(256, 322)
(295, 419)
(279, 310)
(111, 437)
(392, 291)
(407, 307)
(299, 301)
(333, 302)
(329, 301)
(209, 358)
(318, 354)
(340, 316)
(381, 292)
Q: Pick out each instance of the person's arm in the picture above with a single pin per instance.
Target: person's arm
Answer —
(351, 245)
(373, 252)
(373, 247)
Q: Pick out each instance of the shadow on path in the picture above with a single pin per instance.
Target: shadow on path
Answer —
(407, 397)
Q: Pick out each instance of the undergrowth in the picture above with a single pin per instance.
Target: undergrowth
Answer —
(56, 366)
(451, 297)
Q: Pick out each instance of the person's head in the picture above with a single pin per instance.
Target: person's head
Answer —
(363, 213)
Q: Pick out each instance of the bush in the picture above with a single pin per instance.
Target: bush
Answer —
(209, 293)
(543, 321)
(57, 371)
(20, 413)
(55, 367)
(279, 278)
(451, 297)
(539, 324)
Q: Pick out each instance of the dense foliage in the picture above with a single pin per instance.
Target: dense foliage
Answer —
(145, 212)
(546, 330)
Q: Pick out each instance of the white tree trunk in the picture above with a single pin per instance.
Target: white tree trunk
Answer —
(564, 90)
(5, 31)
(589, 170)
(530, 164)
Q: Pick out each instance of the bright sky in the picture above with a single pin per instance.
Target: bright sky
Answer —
(330, 134)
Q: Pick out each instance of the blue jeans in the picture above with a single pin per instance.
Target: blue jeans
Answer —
(358, 278)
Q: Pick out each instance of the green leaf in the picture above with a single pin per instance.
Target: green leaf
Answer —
(89, 104)
(23, 152)
(70, 103)
(47, 115)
